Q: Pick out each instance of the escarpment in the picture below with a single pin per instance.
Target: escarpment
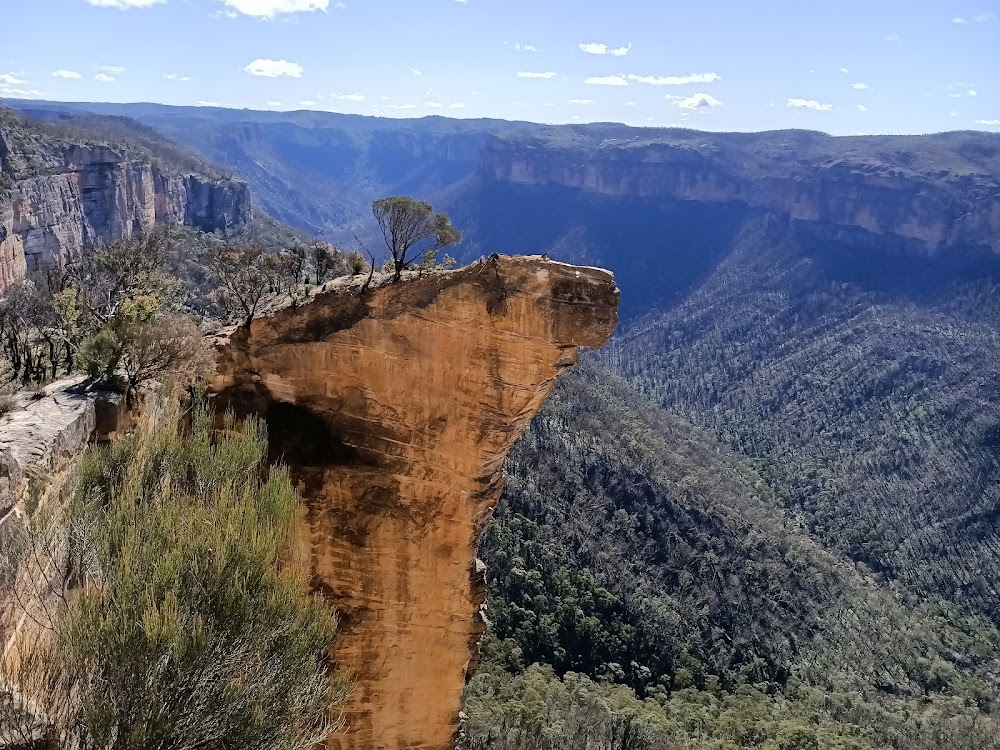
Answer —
(395, 408)
(921, 195)
(59, 199)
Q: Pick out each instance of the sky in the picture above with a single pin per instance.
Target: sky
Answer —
(845, 67)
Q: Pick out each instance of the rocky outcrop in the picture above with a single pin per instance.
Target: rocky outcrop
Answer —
(395, 409)
(921, 195)
(82, 196)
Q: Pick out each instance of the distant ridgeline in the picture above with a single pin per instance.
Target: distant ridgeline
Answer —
(73, 184)
(583, 192)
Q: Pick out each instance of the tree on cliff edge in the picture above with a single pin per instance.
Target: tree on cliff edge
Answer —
(411, 229)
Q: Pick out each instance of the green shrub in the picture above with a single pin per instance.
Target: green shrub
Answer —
(183, 632)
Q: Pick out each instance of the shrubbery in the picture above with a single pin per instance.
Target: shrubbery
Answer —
(174, 626)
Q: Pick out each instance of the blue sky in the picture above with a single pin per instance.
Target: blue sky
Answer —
(845, 67)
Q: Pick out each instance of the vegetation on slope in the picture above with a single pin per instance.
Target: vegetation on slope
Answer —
(862, 389)
(633, 551)
(174, 627)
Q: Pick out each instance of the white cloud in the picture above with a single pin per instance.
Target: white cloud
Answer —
(274, 68)
(434, 105)
(61, 73)
(548, 74)
(698, 101)
(631, 104)
(862, 108)
(522, 47)
(893, 37)
(11, 79)
(959, 20)
(355, 97)
(844, 70)
(972, 92)
(270, 8)
(456, 105)
(307, 103)
(990, 123)
(594, 48)
(859, 86)
(401, 106)
(176, 77)
(6, 90)
(125, 4)
(104, 78)
(954, 113)
(607, 81)
(112, 69)
(416, 72)
(985, 18)
(677, 80)
(581, 101)
(809, 104)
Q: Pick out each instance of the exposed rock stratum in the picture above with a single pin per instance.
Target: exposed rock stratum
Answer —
(395, 408)
(59, 199)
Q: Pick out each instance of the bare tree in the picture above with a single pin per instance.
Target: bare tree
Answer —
(247, 275)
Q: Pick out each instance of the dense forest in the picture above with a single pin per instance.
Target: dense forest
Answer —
(765, 516)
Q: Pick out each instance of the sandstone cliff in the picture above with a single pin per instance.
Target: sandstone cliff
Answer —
(395, 409)
(62, 198)
(920, 194)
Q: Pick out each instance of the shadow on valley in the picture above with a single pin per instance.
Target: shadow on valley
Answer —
(659, 250)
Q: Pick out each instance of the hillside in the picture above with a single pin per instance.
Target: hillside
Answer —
(69, 186)
(767, 511)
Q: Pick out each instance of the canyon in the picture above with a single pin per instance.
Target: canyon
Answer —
(65, 197)
(919, 195)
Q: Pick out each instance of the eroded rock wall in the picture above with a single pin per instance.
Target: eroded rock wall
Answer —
(923, 213)
(395, 409)
(92, 195)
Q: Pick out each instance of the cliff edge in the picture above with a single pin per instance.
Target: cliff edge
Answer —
(395, 408)
(64, 192)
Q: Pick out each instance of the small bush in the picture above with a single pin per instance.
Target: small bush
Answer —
(184, 632)
(7, 405)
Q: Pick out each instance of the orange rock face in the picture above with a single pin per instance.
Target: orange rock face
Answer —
(395, 409)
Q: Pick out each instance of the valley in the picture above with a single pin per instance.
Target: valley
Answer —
(766, 511)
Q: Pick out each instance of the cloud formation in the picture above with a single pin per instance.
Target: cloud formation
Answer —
(676, 80)
(581, 101)
(859, 86)
(594, 48)
(11, 79)
(176, 77)
(990, 123)
(809, 104)
(607, 81)
(862, 108)
(268, 9)
(61, 73)
(125, 4)
(105, 78)
(355, 97)
(274, 68)
(529, 74)
(697, 101)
